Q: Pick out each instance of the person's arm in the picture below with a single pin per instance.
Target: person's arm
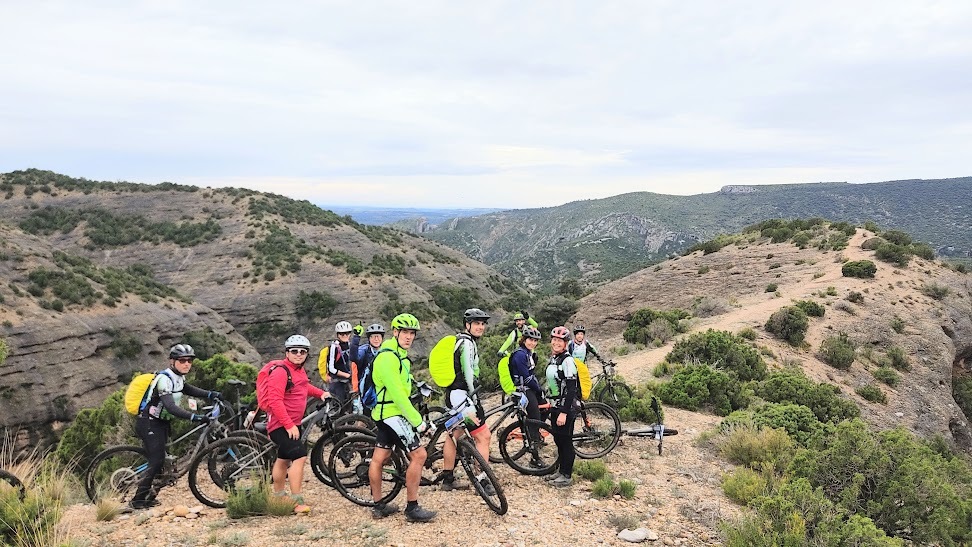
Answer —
(509, 342)
(163, 386)
(353, 347)
(276, 388)
(332, 362)
(593, 350)
(315, 391)
(466, 348)
(194, 391)
(386, 367)
(571, 385)
(532, 323)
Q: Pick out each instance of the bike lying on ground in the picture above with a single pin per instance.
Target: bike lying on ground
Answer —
(350, 461)
(9, 480)
(656, 430)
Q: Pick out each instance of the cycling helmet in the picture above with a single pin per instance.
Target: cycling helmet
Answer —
(375, 329)
(531, 332)
(297, 341)
(560, 332)
(181, 350)
(405, 321)
(579, 328)
(342, 327)
(518, 316)
(475, 314)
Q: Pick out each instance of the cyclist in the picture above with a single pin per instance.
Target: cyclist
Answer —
(287, 400)
(520, 319)
(339, 363)
(466, 358)
(579, 348)
(523, 362)
(565, 394)
(397, 420)
(153, 422)
(363, 359)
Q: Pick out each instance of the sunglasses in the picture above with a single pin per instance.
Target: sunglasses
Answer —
(300, 351)
(185, 359)
(344, 334)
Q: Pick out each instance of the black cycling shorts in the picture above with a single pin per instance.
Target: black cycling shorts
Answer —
(287, 448)
(396, 430)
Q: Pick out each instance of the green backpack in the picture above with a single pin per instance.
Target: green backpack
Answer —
(442, 361)
(505, 378)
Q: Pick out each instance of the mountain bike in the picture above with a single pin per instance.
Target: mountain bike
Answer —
(116, 471)
(9, 480)
(527, 445)
(597, 430)
(656, 430)
(240, 462)
(608, 388)
(351, 457)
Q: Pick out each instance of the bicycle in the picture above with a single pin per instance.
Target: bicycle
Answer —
(236, 462)
(608, 388)
(116, 471)
(656, 430)
(358, 450)
(9, 480)
(597, 430)
(528, 437)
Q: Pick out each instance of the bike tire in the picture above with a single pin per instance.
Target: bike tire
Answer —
(474, 463)
(597, 430)
(496, 423)
(114, 473)
(350, 459)
(527, 456)
(13, 482)
(323, 447)
(616, 395)
(229, 464)
(354, 420)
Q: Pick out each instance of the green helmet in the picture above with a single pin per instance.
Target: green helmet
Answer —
(405, 321)
(517, 316)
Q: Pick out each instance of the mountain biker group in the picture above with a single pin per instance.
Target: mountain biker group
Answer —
(398, 422)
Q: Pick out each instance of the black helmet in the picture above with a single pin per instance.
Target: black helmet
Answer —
(181, 350)
(531, 332)
(375, 329)
(580, 328)
(474, 314)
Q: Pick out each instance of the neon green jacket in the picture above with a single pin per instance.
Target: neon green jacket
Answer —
(392, 374)
(514, 338)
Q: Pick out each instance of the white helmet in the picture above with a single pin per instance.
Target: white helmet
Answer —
(297, 341)
(342, 326)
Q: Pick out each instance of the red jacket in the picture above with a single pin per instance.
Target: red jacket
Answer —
(287, 406)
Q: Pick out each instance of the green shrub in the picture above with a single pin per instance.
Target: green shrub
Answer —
(742, 485)
(454, 299)
(592, 470)
(721, 349)
(32, 521)
(790, 324)
(887, 375)
(934, 290)
(554, 310)
(256, 501)
(207, 342)
(923, 250)
(752, 446)
(872, 243)
(638, 408)
(747, 333)
(638, 331)
(872, 393)
(822, 399)
(662, 369)
(837, 351)
(863, 269)
(626, 489)
(897, 324)
(855, 297)
(898, 358)
(962, 393)
(126, 346)
(314, 305)
(798, 421)
(772, 287)
(811, 308)
(895, 254)
(897, 237)
(694, 386)
(603, 488)
(4, 351)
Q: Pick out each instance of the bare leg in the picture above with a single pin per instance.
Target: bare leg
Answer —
(413, 475)
(482, 436)
(296, 475)
(279, 475)
(378, 459)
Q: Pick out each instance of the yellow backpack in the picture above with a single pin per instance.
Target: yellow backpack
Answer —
(136, 391)
(442, 362)
(322, 364)
(583, 379)
(505, 378)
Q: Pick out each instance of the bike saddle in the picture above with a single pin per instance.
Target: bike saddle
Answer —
(235, 382)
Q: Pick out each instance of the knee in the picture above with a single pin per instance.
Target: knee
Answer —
(419, 455)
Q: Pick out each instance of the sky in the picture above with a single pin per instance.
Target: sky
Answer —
(486, 104)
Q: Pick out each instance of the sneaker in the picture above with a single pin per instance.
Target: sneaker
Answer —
(551, 477)
(138, 505)
(561, 482)
(487, 487)
(301, 509)
(418, 514)
(383, 510)
(536, 463)
(449, 486)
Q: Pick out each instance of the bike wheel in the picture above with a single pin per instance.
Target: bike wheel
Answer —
(354, 420)
(229, 464)
(434, 449)
(597, 430)
(349, 461)
(114, 473)
(9, 480)
(497, 423)
(530, 454)
(475, 464)
(616, 395)
(322, 448)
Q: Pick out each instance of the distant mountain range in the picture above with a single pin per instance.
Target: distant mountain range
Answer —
(411, 219)
(605, 239)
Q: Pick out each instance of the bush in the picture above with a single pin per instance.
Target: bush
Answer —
(897, 324)
(454, 299)
(256, 501)
(32, 521)
(962, 393)
(708, 306)
(886, 375)
(603, 488)
(747, 334)
(638, 408)
(798, 421)
(895, 254)
(555, 310)
(898, 358)
(837, 351)
(897, 237)
(790, 324)
(772, 287)
(872, 393)
(637, 331)
(4, 351)
(872, 243)
(822, 399)
(863, 269)
(592, 470)
(721, 349)
(934, 290)
(751, 446)
(742, 485)
(855, 297)
(694, 386)
(811, 308)
(659, 332)
(207, 342)
(314, 305)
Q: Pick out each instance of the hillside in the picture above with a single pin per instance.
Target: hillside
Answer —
(605, 239)
(249, 267)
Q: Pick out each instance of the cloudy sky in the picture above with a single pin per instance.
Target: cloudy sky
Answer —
(486, 104)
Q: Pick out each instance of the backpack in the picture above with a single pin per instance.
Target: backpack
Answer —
(442, 361)
(505, 377)
(366, 384)
(135, 394)
(322, 364)
(583, 379)
(263, 383)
